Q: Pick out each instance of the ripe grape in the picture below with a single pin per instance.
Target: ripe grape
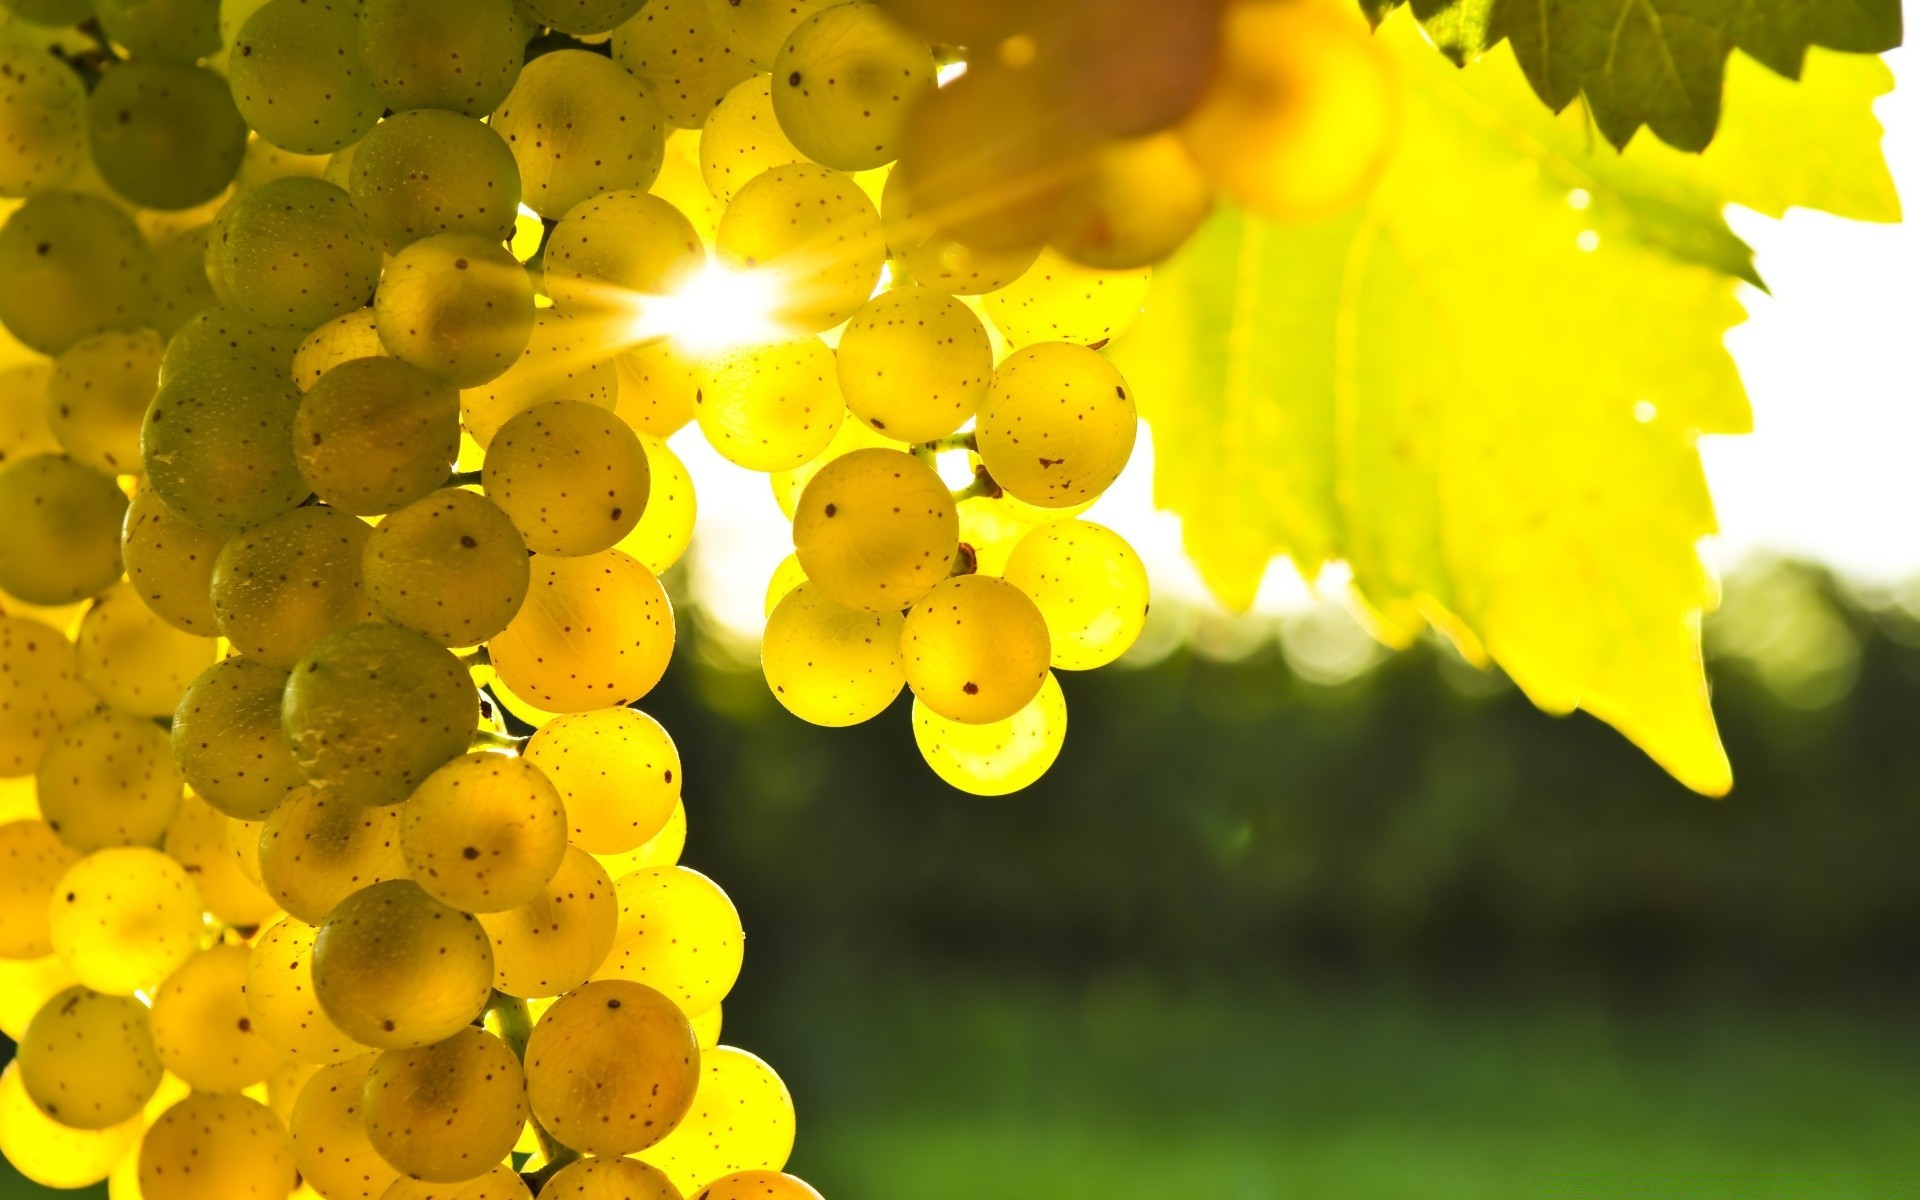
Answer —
(124, 917)
(75, 266)
(758, 1185)
(223, 338)
(227, 740)
(298, 78)
(1135, 204)
(935, 255)
(571, 477)
(562, 362)
(852, 435)
(281, 1000)
(216, 1145)
(457, 305)
(612, 251)
(330, 1141)
(742, 138)
(181, 289)
(998, 757)
(451, 566)
(816, 237)
(40, 691)
(579, 125)
(281, 586)
(679, 934)
(500, 1183)
(197, 840)
(165, 135)
(1058, 425)
(787, 576)
(34, 859)
(316, 849)
(741, 1120)
(772, 406)
(674, 47)
(24, 430)
(582, 16)
(617, 771)
(181, 31)
(98, 394)
(595, 632)
(975, 649)
(656, 385)
(844, 83)
(201, 1027)
(60, 537)
(42, 120)
(876, 530)
(462, 55)
(756, 29)
(295, 252)
(431, 171)
(55, 1155)
(1126, 68)
(830, 664)
(1061, 301)
(343, 339)
(375, 434)
(661, 850)
(1089, 586)
(132, 659)
(611, 1067)
(605, 1178)
(393, 967)
(217, 445)
(108, 780)
(445, 1112)
(665, 528)
(485, 832)
(914, 363)
(556, 941)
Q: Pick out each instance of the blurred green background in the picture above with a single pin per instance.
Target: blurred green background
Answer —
(1293, 918)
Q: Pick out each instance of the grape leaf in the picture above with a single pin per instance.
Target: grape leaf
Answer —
(1656, 63)
(1483, 387)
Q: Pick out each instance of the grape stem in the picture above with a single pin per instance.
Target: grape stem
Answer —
(516, 1026)
(964, 440)
(983, 485)
(498, 741)
(476, 657)
(462, 479)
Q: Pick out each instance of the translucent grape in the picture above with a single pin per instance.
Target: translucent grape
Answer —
(830, 664)
(975, 649)
(1128, 68)
(657, 382)
(461, 55)
(572, 477)
(680, 185)
(330, 1142)
(758, 1185)
(222, 337)
(281, 586)
(60, 539)
(978, 23)
(582, 16)
(742, 137)
(298, 78)
(123, 918)
(24, 431)
(1001, 756)
(201, 1026)
(227, 740)
(815, 235)
(787, 576)
(456, 305)
(243, 847)
(579, 125)
(451, 566)
(1136, 203)
(395, 968)
(75, 266)
(295, 252)
(197, 840)
(374, 709)
(1062, 301)
(772, 406)
(876, 530)
(316, 850)
(556, 941)
(485, 832)
(666, 525)
(661, 850)
(431, 171)
(218, 447)
(852, 435)
(42, 120)
(181, 31)
(615, 248)
(756, 29)
(1058, 425)
(936, 256)
(132, 659)
(741, 1119)
(674, 48)
(55, 1155)
(914, 363)
(108, 780)
(1090, 587)
(165, 135)
(376, 434)
(611, 1067)
(844, 83)
(595, 632)
(98, 395)
(678, 934)
(604, 1178)
(32, 860)
(280, 996)
(562, 362)
(616, 769)
(343, 339)
(181, 289)
(499, 1183)
(40, 691)
(445, 1112)
(216, 1145)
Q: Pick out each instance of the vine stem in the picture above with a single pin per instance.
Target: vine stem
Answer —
(498, 741)
(516, 1026)
(964, 440)
(983, 485)
(462, 479)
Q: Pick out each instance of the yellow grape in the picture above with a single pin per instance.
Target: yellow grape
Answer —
(455, 305)
(616, 769)
(1137, 202)
(296, 252)
(1058, 300)
(215, 1145)
(451, 566)
(556, 941)
(680, 185)
(595, 632)
(283, 1085)
(24, 431)
(756, 29)
(88, 1060)
(770, 407)
(32, 860)
(40, 691)
(461, 55)
(1001, 756)
(394, 967)
(1090, 587)
(75, 266)
(1058, 425)
(511, 703)
(298, 78)
(281, 586)
(830, 664)
(813, 235)
(485, 832)
(61, 539)
(564, 360)
(341, 340)
(679, 934)
(572, 478)
(610, 1179)
(243, 847)
(665, 528)
(109, 780)
(706, 1027)
(500, 1183)
(758, 1185)
(876, 530)
(609, 251)
(25, 984)
(197, 840)
(661, 850)
(134, 660)
(218, 444)
(787, 576)
(674, 47)
(280, 996)
(55, 1155)
(375, 434)
(123, 918)
(316, 849)
(579, 125)
(581, 16)
(1124, 68)
(975, 649)
(741, 1120)
(979, 23)
(170, 563)
(224, 338)
(43, 110)
(201, 1026)
(742, 138)
(845, 82)
(98, 394)
(181, 289)
(431, 171)
(656, 381)
(914, 363)
(330, 1141)
(446, 1112)
(227, 740)
(611, 1067)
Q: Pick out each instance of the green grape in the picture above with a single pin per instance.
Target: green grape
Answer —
(1089, 586)
(998, 757)
(24, 431)
(234, 14)
(132, 659)
(396, 968)
(612, 251)
(616, 769)
(40, 691)
(579, 125)
(201, 1027)
(99, 393)
(1062, 301)
(596, 631)
(666, 525)
(817, 237)
(451, 566)
(295, 252)
(499, 1183)
(772, 406)
(316, 849)
(876, 530)
(224, 338)
(742, 138)
(456, 305)
(227, 741)
(376, 434)
(572, 477)
(197, 840)
(844, 83)
(54, 13)
(936, 256)
(830, 664)
(43, 137)
(181, 289)
(656, 382)
(216, 1145)
(60, 536)
(556, 941)
(341, 340)
(281, 586)
(484, 833)
(674, 47)
(562, 362)
(108, 780)
(605, 1178)
(175, 31)
(678, 934)
(124, 918)
(914, 363)
(280, 996)
(374, 709)
(661, 850)
(298, 78)
(88, 1060)
(1137, 203)
(756, 29)
(446, 1112)
(431, 171)
(165, 135)
(55, 1155)
(75, 266)
(1058, 425)
(611, 1067)
(218, 446)
(741, 1120)
(975, 649)
(851, 436)
(786, 577)
(582, 16)
(266, 162)
(461, 55)
(35, 858)
(330, 1142)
